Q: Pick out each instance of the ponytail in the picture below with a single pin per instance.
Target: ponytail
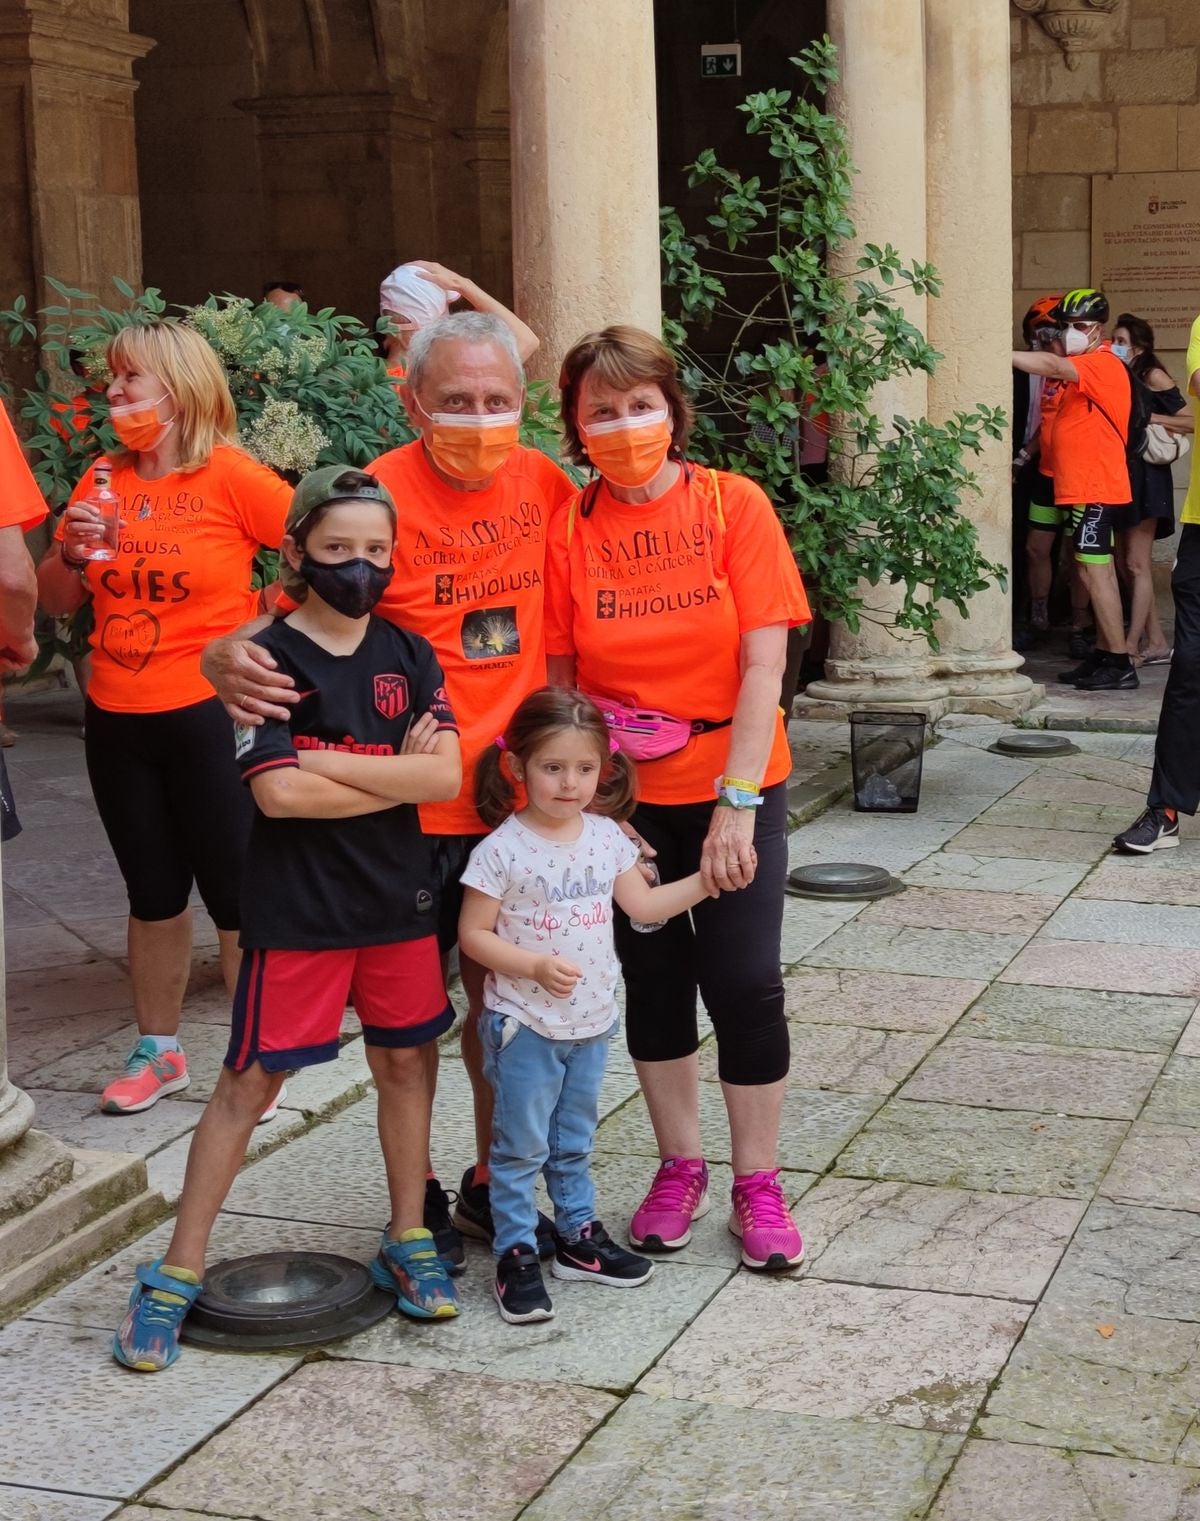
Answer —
(495, 796)
(616, 796)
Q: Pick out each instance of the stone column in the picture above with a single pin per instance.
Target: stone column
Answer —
(585, 169)
(969, 187)
(16, 1107)
(881, 100)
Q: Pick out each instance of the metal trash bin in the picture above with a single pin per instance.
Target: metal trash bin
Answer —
(887, 751)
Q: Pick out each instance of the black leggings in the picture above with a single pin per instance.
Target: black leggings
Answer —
(727, 950)
(1176, 779)
(173, 806)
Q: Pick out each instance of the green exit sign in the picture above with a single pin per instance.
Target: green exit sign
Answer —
(721, 60)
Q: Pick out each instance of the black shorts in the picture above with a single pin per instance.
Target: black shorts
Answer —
(451, 852)
(1094, 526)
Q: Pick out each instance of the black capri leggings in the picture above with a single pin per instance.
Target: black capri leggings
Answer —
(173, 806)
(727, 950)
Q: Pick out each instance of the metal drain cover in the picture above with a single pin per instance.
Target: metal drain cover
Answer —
(842, 880)
(1034, 744)
(284, 1299)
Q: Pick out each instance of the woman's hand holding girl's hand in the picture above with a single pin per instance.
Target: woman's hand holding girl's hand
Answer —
(422, 736)
(729, 860)
(557, 976)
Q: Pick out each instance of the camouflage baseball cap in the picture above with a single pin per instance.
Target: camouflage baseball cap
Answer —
(321, 488)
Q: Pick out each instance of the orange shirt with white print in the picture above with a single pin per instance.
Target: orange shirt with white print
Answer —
(653, 600)
(470, 578)
(181, 576)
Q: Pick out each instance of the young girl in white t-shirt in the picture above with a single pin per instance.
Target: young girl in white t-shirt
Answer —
(538, 914)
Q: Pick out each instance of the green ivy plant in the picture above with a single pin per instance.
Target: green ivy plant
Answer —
(807, 338)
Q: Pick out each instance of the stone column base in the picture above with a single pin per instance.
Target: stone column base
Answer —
(998, 694)
(62, 1208)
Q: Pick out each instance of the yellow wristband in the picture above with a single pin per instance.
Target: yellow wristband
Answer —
(740, 783)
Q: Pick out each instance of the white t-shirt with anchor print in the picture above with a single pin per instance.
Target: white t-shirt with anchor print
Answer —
(555, 899)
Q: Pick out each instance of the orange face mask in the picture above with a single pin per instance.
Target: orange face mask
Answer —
(472, 446)
(629, 451)
(140, 424)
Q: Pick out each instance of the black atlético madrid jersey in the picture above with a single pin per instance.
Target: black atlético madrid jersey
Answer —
(328, 884)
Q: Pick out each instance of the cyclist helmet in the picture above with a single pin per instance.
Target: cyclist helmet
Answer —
(1083, 305)
(1040, 314)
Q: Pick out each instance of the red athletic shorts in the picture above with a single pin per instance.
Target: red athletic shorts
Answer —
(287, 1011)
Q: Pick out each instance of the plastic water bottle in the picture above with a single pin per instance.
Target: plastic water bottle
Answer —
(105, 503)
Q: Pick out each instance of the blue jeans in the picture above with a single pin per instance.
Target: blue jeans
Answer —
(546, 1109)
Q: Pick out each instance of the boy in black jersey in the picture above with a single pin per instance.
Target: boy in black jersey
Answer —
(337, 897)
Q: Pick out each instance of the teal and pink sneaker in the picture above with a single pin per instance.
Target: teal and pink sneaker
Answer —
(411, 1269)
(150, 1074)
(662, 1222)
(148, 1338)
(770, 1241)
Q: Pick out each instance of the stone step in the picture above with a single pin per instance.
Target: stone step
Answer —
(104, 1200)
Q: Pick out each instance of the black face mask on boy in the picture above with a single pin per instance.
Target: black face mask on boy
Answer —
(352, 587)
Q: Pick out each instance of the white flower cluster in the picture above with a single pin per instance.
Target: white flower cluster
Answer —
(284, 437)
(278, 365)
(231, 330)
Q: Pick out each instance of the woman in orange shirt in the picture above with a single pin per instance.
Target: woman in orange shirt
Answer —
(670, 591)
(194, 510)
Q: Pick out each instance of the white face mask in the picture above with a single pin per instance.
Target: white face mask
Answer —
(1076, 341)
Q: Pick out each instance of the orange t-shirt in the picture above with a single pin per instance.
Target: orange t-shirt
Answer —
(21, 501)
(1051, 400)
(180, 578)
(398, 375)
(1089, 447)
(653, 601)
(470, 577)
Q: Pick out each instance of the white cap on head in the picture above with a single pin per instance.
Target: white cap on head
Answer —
(407, 293)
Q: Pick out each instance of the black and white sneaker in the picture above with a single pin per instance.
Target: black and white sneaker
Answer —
(520, 1293)
(473, 1215)
(597, 1258)
(1110, 677)
(447, 1239)
(1155, 830)
(1092, 661)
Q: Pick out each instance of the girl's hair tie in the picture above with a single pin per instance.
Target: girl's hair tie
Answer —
(500, 742)
(613, 744)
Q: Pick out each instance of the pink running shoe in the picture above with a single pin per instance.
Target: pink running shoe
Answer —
(150, 1074)
(770, 1241)
(678, 1195)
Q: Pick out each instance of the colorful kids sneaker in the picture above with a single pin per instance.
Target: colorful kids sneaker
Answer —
(446, 1236)
(770, 1241)
(473, 1215)
(520, 1293)
(678, 1195)
(150, 1074)
(148, 1338)
(597, 1258)
(411, 1269)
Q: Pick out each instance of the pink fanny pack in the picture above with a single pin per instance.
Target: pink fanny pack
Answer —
(646, 734)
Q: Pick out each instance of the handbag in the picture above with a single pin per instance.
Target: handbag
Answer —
(1162, 446)
(646, 734)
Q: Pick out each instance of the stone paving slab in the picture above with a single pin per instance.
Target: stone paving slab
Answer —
(956, 869)
(1057, 787)
(35, 1040)
(1132, 1261)
(1008, 1151)
(1064, 1486)
(99, 1298)
(1168, 877)
(894, 842)
(77, 1119)
(165, 1169)
(844, 1058)
(814, 1128)
(1108, 968)
(86, 1425)
(35, 947)
(903, 1235)
(1127, 770)
(1044, 844)
(1130, 1389)
(876, 1000)
(807, 923)
(681, 1459)
(1157, 1165)
(1140, 924)
(62, 992)
(1175, 1097)
(1085, 817)
(450, 1447)
(602, 1337)
(950, 908)
(40, 1505)
(1078, 1017)
(1028, 1075)
(927, 952)
(1189, 1041)
(894, 1355)
(95, 882)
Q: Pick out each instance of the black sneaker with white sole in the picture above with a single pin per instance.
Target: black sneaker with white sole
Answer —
(1092, 661)
(1110, 677)
(1155, 830)
(520, 1293)
(473, 1215)
(447, 1239)
(596, 1258)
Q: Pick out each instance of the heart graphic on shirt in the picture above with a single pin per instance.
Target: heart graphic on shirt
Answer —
(130, 640)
